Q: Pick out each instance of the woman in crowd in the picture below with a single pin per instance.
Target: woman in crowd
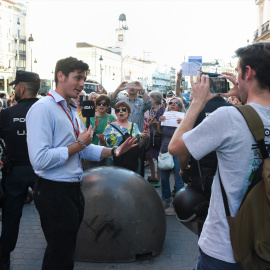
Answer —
(114, 132)
(99, 123)
(101, 118)
(155, 112)
(175, 104)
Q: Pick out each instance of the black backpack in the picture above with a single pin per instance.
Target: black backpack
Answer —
(130, 159)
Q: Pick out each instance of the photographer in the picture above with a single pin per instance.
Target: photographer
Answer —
(226, 132)
(17, 171)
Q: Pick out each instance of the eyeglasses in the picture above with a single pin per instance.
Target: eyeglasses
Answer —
(101, 103)
(174, 103)
(14, 85)
(124, 109)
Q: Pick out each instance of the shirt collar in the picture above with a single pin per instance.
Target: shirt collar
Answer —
(135, 99)
(59, 98)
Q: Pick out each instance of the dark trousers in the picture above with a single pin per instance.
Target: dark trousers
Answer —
(206, 262)
(61, 208)
(15, 185)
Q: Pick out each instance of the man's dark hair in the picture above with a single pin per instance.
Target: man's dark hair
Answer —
(68, 65)
(257, 56)
(31, 87)
(2, 95)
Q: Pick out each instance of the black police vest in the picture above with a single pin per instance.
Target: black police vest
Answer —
(13, 130)
(213, 104)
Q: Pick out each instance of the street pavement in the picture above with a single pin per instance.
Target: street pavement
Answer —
(179, 251)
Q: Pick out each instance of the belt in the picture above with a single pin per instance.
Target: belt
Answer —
(52, 182)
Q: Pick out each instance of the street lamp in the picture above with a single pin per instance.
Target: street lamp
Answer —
(216, 65)
(101, 59)
(30, 39)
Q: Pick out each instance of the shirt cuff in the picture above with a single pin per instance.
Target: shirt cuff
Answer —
(92, 152)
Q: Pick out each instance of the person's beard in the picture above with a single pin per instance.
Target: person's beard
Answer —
(17, 96)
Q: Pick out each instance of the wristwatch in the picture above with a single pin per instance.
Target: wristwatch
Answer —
(112, 151)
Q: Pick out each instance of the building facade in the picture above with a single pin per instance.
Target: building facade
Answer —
(262, 33)
(12, 42)
(112, 65)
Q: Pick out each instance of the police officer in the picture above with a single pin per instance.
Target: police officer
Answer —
(18, 174)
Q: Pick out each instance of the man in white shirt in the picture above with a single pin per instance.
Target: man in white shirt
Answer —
(226, 132)
(57, 140)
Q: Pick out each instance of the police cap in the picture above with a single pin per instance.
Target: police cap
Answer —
(25, 76)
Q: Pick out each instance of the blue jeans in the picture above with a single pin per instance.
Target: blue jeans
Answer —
(165, 180)
(206, 262)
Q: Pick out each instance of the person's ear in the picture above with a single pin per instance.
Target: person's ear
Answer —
(60, 76)
(22, 89)
(250, 73)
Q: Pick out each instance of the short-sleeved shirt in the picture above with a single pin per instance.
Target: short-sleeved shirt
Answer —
(101, 127)
(114, 137)
(226, 132)
(138, 108)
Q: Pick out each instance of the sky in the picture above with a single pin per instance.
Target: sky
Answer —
(171, 30)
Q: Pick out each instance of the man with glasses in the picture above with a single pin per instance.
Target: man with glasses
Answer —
(17, 174)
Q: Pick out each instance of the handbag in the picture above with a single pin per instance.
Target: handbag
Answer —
(165, 161)
(154, 141)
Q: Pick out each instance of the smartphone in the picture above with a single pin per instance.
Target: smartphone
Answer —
(130, 85)
(218, 85)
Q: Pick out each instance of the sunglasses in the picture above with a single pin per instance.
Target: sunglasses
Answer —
(174, 103)
(14, 86)
(101, 103)
(124, 109)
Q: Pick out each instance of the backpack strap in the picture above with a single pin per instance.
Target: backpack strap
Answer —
(256, 127)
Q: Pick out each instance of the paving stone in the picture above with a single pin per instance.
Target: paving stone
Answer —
(179, 251)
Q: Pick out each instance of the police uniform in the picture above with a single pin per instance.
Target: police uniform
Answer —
(20, 175)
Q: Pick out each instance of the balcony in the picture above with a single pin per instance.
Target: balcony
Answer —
(256, 34)
(265, 27)
(22, 53)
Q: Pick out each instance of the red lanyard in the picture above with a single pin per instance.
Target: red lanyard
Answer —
(77, 131)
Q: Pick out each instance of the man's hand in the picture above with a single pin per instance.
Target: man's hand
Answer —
(121, 87)
(138, 86)
(86, 136)
(235, 91)
(201, 90)
(127, 145)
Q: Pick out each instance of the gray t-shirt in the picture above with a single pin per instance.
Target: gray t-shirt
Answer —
(226, 132)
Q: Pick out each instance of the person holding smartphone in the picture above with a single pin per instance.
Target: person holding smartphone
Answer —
(138, 105)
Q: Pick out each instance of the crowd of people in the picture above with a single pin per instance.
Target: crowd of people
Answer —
(131, 131)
